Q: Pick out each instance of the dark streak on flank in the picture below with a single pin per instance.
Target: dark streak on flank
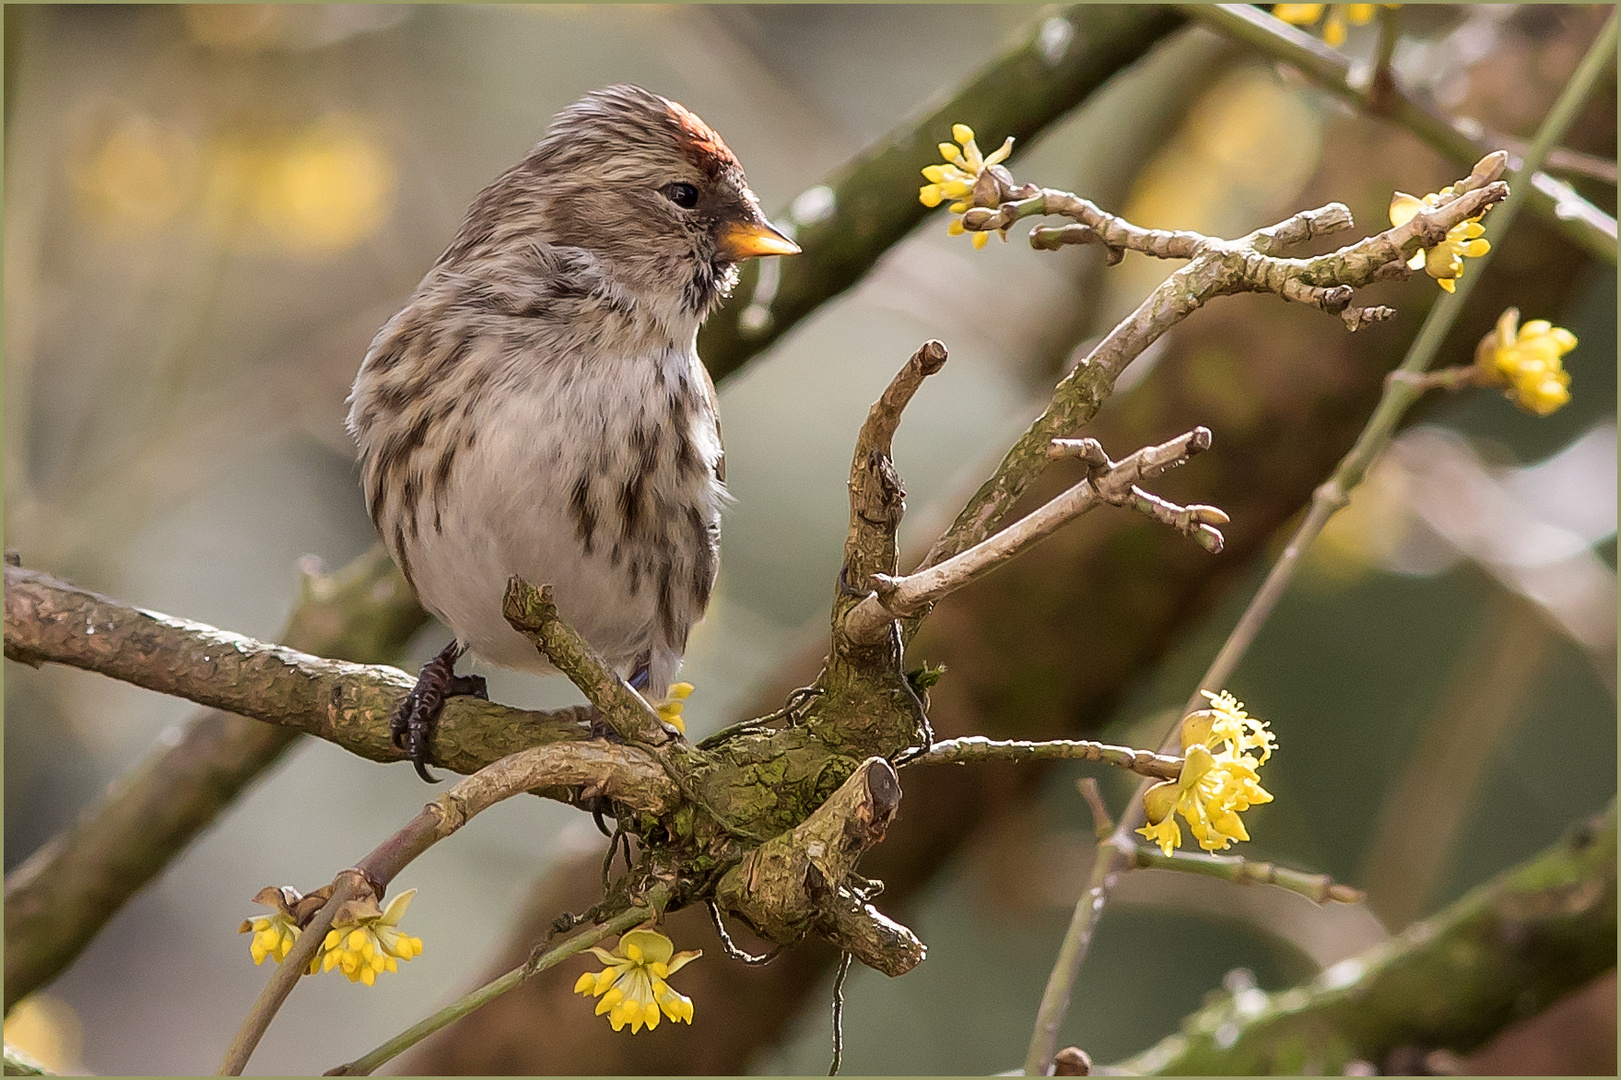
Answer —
(585, 516)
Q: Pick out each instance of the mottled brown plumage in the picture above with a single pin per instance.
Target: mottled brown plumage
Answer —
(538, 407)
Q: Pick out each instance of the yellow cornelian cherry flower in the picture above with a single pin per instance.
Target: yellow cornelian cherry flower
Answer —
(957, 177)
(273, 936)
(1215, 786)
(633, 987)
(1338, 16)
(669, 709)
(366, 941)
(1527, 361)
(1444, 261)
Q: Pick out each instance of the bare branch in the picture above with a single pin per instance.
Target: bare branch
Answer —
(978, 748)
(877, 499)
(346, 704)
(533, 613)
(1109, 482)
(1217, 268)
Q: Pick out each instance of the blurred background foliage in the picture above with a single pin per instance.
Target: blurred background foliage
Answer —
(209, 210)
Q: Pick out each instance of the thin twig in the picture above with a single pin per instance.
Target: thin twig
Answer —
(1119, 852)
(1102, 821)
(346, 887)
(730, 947)
(1318, 888)
(1109, 482)
(631, 917)
(838, 1014)
(978, 748)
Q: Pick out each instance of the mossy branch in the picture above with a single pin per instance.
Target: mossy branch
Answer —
(1506, 950)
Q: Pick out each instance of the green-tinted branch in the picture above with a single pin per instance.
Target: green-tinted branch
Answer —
(1318, 888)
(871, 203)
(1505, 951)
(364, 1065)
(1553, 199)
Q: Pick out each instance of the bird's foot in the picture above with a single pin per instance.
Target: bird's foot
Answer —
(412, 723)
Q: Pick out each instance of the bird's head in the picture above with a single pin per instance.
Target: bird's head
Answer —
(651, 190)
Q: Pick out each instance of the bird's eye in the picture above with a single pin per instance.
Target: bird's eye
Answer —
(683, 195)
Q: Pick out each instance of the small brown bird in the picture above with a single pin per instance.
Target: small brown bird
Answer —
(538, 408)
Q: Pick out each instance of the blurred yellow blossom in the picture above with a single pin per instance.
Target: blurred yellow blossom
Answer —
(326, 189)
(135, 175)
(1338, 16)
(365, 940)
(48, 1030)
(1215, 785)
(1527, 361)
(633, 987)
(1444, 261)
(957, 177)
(669, 709)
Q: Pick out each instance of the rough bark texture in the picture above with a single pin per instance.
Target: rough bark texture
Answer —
(60, 898)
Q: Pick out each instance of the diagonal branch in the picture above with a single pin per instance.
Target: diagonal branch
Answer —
(1551, 198)
(1109, 483)
(533, 613)
(1217, 268)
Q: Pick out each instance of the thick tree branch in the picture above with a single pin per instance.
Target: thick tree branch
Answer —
(868, 205)
(1505, 951)
(59, 898)
(346, 704)
(1555, 201)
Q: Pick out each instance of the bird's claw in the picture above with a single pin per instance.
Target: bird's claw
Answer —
(412, 723)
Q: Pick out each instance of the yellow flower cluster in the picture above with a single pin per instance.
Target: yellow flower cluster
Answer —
(364, 941)
(363, 945)
(1527, 360)
(1444, 261)
(1338, 16)
(273, 936)
(633, 987)
(957, 177)
(1216, 785)
(669, 709)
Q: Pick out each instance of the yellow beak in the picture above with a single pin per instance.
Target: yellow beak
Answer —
(747, 239)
